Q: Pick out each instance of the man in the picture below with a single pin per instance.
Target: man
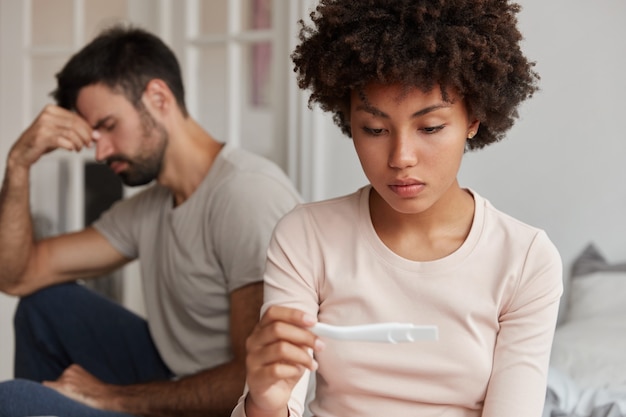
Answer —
(200, 234)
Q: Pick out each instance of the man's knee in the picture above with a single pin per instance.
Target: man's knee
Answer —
(44, 303)
(17, 387)
(21, 397)
(15, 392)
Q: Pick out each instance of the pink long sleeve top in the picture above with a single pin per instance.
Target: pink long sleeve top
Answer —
(494, 300)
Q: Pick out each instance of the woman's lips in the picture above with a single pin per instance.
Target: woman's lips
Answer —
(408, 189)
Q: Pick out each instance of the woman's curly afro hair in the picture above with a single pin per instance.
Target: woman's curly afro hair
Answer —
(469, 45)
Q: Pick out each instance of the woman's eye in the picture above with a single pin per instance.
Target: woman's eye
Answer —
(432, 129)
(110, 127)
(373, 132)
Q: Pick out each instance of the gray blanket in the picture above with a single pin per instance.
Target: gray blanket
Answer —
(566, 398)
(553, 408)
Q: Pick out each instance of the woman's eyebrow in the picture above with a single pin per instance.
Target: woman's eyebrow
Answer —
(376, 112)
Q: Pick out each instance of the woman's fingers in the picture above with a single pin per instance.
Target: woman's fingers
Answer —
(279, 353)
(288, 315)
(267, 333)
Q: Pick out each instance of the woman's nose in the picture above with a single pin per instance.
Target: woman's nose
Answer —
(403, 151)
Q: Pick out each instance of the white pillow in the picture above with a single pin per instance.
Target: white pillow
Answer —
(598, 295)
(597, 287)
(589, 346)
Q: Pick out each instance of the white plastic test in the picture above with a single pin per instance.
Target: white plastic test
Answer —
(379, 332)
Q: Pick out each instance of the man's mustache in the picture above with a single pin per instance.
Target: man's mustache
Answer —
(117, 158)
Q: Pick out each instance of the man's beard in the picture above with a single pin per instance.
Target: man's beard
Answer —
(143, 169)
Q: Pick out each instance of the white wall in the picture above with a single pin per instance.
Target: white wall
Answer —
(562, 167)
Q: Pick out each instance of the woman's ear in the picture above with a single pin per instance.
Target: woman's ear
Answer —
(472, 129)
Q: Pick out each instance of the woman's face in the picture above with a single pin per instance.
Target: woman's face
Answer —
(410, 143)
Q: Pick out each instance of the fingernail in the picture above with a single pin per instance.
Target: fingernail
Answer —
(315, 365)
(95, 135)
(319, 345)
(309, 319)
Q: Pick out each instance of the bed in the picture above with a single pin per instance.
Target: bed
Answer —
(587, 375)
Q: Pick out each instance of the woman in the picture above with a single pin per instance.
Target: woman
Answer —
(415, 84)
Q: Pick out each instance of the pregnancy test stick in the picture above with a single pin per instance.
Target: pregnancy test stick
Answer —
(379, 332)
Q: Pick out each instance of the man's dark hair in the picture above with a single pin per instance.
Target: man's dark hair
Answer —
(471, 46)
(124, 59)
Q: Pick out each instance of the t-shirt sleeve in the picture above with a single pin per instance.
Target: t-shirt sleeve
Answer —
(119, 226)
(248, 207)
(292, 262)
(293, 267)
(527, 325)
(293, 409)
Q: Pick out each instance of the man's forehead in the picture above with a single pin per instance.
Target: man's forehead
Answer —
(98, 101)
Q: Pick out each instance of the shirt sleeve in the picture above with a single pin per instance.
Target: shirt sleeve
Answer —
(120, 224)
(527, 324)
(248, 207)
(292, 280)
(291, 262)
(293, 409)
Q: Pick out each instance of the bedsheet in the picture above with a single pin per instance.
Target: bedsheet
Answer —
(564, 398)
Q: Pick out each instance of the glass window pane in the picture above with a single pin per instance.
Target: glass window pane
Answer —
(258, 64)
(213, 17)
(52, 22)
(44, 69)
(102, 14)
(258, 134)
(257, 123)
(212, 91)
(257, 14)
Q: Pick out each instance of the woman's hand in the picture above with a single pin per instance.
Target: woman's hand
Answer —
(278, 355)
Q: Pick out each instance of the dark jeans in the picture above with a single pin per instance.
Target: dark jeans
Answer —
(67, 324)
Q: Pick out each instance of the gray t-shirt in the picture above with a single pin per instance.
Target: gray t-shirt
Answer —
(192, 256)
